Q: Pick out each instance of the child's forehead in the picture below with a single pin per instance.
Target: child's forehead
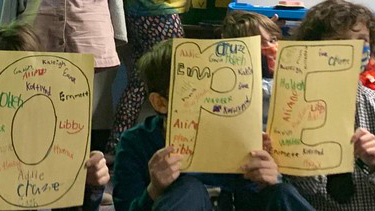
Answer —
(357, 31)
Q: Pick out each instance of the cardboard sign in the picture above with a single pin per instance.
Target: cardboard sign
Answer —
(45, 110)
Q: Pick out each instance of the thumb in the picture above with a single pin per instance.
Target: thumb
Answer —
(95, 157)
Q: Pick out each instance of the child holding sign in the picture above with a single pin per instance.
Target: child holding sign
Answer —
(147, 173)
(16, 37)
(244, 24)
(335, 20)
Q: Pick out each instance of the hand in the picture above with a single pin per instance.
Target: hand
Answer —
(277, 21)
(275, 18)
(267, 143)
(364, 147)
(164, 169)
(261, 168)
(97, 170)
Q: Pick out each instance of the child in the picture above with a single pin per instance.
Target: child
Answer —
(244, 24)
(148, 22)
(19, 37)
(147, 176)
(334, 20)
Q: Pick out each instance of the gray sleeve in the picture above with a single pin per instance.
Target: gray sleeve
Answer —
(10, 9)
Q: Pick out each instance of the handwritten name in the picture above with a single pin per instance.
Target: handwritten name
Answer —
(7, 99)
(218, 100)
(235, 59)
(311, 164)
(291, 84)
(313, 151)
(61, 151)
(245, 71)
(10, 164)
(39, 88)
(66, 97)
(37, 72)
(333, 60)
(57, 62)
(286, 154)
(243, 86)
(189, 96)
(186, 124)
(69, 76)
(71, 127)
(291, 68)
(183, 149)
(30, 189)
(316, 111)
(189, 53)
(237, 109)
(23, 69)
(290, 141)
(194, 99)
(225, 48)
(290, 105)
(181, 138)
(214, 59)
(200, 73)
(283, 132)
(30, 175)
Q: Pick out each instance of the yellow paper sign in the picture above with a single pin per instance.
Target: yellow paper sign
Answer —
(45, 109)
(311, 115)
(214, 117)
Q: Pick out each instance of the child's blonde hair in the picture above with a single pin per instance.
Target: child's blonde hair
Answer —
(243, 24)
(19, 37)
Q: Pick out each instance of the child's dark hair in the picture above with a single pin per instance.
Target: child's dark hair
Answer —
(19, 37)
(243, 24)
(155, 67)
(332, 18)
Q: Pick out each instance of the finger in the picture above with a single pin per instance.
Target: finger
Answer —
(263, 155)
(366, 138)
(97, 169)
(358, 133)
(101, 173)
(161, 153)
(101, 177)
(168, 176)
(370, 152)
(174, 159)
(364, 142)
(102, 163)
(168, 161)
(275, 17)
(104, 180)
(369, 144)
(170, 170)
(95, 157)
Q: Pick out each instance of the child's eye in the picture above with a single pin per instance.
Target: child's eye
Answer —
(273, 40)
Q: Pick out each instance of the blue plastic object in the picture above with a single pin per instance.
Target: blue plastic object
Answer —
(287, 13)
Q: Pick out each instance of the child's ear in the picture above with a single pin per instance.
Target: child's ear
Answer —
(158, 102)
